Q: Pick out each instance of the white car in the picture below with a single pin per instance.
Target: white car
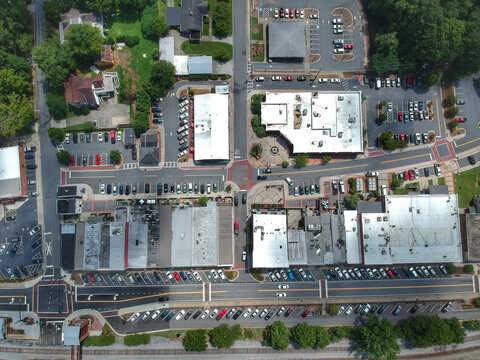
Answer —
(183, 110)
(169, 275)
(102, 189)
(179, 315)
(155, 314)
(33, 193)
(182, 154)
(349, 310)
(302, 14)
(276, 78)
(334, 80)
(275, 13)
(35, 230)
(67, 138)
(337, 21)
(183, 103)
(247, 312)
(135, 316)
(197, 276)
(281, 294)
(338, 51)
(341, 310)
(323, 80)
(214, 313)
(146, 315)
(244, 256)
(255, 313)
(209, 188)
(119, 136)
(283, 287)
(338, 26)
(100, 137)
(2, 249)
(205, 314)
(214, 274)
(222, 275)
(183, 116)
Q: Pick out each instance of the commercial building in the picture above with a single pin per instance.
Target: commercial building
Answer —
(12, 173)
(472, 221)
(413, 229)
(287, 40)
(200, 65)
(211, 133)
(269, 241)
(326, 122)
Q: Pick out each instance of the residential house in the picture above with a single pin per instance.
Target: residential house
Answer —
(91, 91)
(189, 16)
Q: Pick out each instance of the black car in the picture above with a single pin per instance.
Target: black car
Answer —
(187, 316)
(147, 188)
(301, 78)
(414, 309)
(334, 187)
(165, 313)
(127, 189)
(372, 84)
(373, 310)
(317, 188)
(382, 309)
(75, 138)
(300, 190)
(197, 314)
(172, 189)
(183, 147)
(170, 317)
(31, 166)
(412, 138)
(134, 153)
(183, 98)
(236, 201)
(84, 160)
(262, 177)
(165, 188)
(157, 277)
(471, 160)
(267, 171)
(427, 172)
(37, 243)
(237, 314)
(182, 274)
(269, 315)
(28, 156)
(105, 136)
(395, 137)
(163, 298)
(109, 188)
(88, 138)
(244, 198)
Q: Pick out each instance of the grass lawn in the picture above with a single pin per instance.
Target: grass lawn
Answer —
(169, 334)
(206, 48)
(253, 36)
(402, 191)
(441, 181)
(430, 182)
(259, 58)
(129, 24)
(212, 4)
(467, 186)
(206, 29)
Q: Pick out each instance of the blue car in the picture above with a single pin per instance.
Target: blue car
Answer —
(112, 278)
(290, 275)
(420, 105)
(84, 279)
(156, 110)
(120, 190)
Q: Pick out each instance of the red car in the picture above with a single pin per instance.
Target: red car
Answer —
(112, 136)
(282, 14)
(72, 161)
(461, 119)
(291, 13)
(389, 272)
(400, 116)
(406, 175)
(91, 277)
(288, 312)
(177, 277)
(305, 313)
(412, 174)
(288, 78)
(235, 228)
(97, 159)
(348, 47)
(221, 314)
(403, 137)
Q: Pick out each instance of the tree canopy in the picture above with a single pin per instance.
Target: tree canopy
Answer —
(16, 114)
(222, 19)
(194, 340)
(378, 339)
(84, 40)
(55, 61)
(224, 337)
(277, 335)
(162, 78)
(424, 331)
(305, 335)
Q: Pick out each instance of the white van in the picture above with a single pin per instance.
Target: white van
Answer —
(378, 83)
(342, 187)
(259, 78)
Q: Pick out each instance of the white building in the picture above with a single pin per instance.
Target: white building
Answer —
(413, 229)
(270, 241)
(10, 173)
(325, 123)
(211, 127)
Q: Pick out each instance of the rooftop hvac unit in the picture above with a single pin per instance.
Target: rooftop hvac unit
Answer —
(379, 218)
(365, 236)
(340, 134)
(351, 119)
(384, 251)
(340, 98)
(385, 218)
(367, 221)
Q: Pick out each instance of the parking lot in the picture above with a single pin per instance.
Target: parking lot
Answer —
(320, 30)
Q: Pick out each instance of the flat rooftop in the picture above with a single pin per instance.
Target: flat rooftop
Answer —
(473, 236)
(413, 229)
(326, 123)
(287, 39)
(10, 175)
(270, 241)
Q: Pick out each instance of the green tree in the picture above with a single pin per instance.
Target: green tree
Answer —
(472, 325)
(203, 200)
(382, 117)
(389, 143)
(57, 105)
(351, 201)
(55, 61)
(277, 336)
(222, 54)
(224, 337)
(382, 64)
(285, 164)
(84, 40)
(162, 77)
(228, 188)
(155, 54)
(63, 157)
(323, 337)
(396, 181)
(468, 269)
(305, 335)
(115, 156)
(222, 19)
(326, 159)
(88, 126)
(431, 77)
(301, 159)
(332, 309)
(194, 340)
(13, 83)
(256, 150)
(336, 333)
(52, 12)
(256, 104)
(458, 333)
(452, 269)
(450, 100)
(452, 111)
(424, 331)
(378, 339)
(476, 302)
(56, 134)
(383, 103)
(16, 115)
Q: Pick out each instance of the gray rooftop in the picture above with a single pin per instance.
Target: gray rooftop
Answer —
(287, 39)
(473, 237)
(318, 238)
(137, 245)
(167, 48)
(129, 137)
(192, 15)
(174, 16)
(71, 335)
(200, 65)
(438, 189)
(297, 249)
(369, 207)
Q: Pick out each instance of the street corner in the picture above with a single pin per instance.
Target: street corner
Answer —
(268, 151)
(271, 194)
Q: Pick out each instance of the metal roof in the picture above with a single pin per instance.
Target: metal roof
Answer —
(200, 65)
(10, 175)
(71, 335)
(270, 241)
(287, 39)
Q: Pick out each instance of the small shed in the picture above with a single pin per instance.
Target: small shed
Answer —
(71, 335)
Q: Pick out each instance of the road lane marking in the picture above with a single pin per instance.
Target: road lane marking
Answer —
(401, 287)
(314, 171)
(146, 296)
(285, 290)
(406, 158)
(91, 177)
(438, 119)
(468, 142)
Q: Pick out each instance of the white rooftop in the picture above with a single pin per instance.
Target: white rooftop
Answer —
(181, 64)
(10, 175)
(270, 241)
(211, 127)
(414, 229)
(352, 240)
(325, 123)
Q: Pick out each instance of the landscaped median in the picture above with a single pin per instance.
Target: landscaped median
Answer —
(218, 50)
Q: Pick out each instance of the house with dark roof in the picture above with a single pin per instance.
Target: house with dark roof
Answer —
(149, 150)
(76, 17)
(189, 16)
(91, 91)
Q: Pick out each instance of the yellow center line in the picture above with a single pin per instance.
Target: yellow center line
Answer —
(144, 297)
(468, 142)
(399, 287)
(90, 177)
(315, 171)
(405, 158)
(438, 119)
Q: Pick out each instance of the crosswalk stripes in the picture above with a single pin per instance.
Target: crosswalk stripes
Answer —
(129, 166)
(170, 164)
(250, 85)
(345, 85)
